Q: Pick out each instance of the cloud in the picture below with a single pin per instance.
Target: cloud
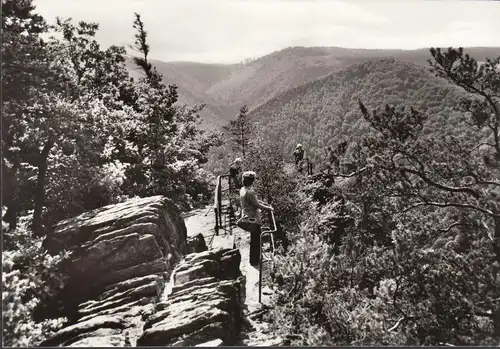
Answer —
(231, 30)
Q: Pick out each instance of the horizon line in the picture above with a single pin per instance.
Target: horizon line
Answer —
(306, 47)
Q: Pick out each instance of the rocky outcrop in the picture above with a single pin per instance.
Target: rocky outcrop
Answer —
(204, 306)
(134, 278)
(120, 259)
(139, 237)
(196, 244)
(114, 318)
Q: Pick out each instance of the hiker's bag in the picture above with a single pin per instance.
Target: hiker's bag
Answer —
(247, 223)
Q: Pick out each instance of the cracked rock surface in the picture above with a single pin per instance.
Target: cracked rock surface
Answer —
(121, 258)
(205, 303)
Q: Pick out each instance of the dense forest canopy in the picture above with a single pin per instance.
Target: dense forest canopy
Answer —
(405, 249)
(403, 245)
(225, 88)
(324, 112)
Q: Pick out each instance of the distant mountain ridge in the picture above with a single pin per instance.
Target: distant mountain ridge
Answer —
(224, 88)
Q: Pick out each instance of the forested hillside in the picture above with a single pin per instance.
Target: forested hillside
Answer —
(192, 80)
(404, 247)
(325, 112)
(268, 76)
(225, 88)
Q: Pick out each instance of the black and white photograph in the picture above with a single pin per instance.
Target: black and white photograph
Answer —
(304, 173)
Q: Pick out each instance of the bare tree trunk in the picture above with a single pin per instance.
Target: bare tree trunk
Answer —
(243, 139)
(10, 190)
(40, 188)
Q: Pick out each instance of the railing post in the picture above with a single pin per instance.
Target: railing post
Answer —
(219, 204)
(270, 232)
(216, 221)
(260, 270)
(218, 207)
(231, 210)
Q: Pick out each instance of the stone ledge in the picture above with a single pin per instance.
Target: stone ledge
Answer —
(205, 305)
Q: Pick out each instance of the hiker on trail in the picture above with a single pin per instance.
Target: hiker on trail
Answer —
(234, 172)
(251, 220)
(299, 156)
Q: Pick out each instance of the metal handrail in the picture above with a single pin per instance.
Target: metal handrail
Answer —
(309, 165)
(269, 232)
(218, 208)
(217, 205)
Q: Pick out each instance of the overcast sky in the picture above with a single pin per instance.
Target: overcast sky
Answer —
(228, 31)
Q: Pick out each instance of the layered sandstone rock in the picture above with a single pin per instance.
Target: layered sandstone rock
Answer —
(122, 288)
(204, 306)
(121, 257)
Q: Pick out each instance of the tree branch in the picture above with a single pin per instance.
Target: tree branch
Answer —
(429, 181)
(450, 204)
(451, 226)
(397, 324)
(485, 314)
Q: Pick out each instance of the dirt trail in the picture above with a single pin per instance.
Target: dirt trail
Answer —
(198, 221)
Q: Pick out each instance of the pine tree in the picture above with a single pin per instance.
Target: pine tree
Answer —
(240, 131)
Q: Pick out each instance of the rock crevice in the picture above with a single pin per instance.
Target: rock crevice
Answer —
(205, 303)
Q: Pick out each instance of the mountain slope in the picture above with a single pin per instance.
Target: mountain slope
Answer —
(197, 77)
(192, 79)
(257, 81)
(268, 76)
(325, 111)
(225, 88)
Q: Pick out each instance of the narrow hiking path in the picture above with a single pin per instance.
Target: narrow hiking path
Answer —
(203, 221)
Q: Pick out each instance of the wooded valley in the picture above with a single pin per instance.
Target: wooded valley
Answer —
(397, 245)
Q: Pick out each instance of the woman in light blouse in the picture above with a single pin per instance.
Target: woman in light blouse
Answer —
(250, 208)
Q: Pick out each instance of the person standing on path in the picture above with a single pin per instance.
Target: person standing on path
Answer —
(298, 154)
(250, 208)
(234, 171)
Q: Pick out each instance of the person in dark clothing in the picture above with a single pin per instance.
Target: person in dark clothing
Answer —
(250, 208)
(342, 147)
(234, 172)
(298, 154)
(299, 157)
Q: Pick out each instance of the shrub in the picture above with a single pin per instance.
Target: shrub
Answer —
(29, 276)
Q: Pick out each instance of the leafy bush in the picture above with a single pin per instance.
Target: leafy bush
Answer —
(29, 276)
